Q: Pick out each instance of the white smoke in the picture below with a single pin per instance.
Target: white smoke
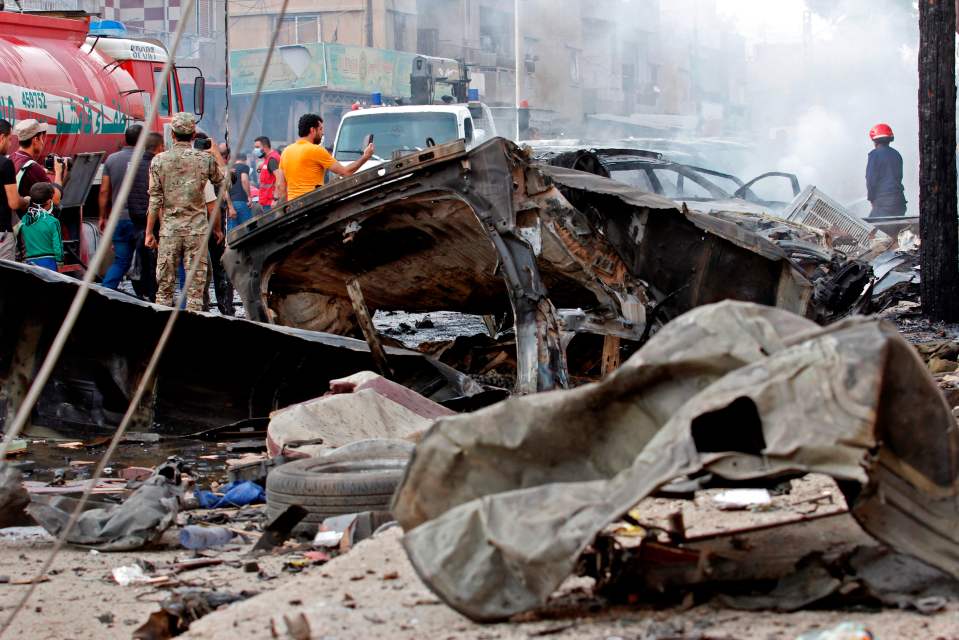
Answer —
(858, 69)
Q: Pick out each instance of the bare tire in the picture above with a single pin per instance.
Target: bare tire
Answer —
(328, 489)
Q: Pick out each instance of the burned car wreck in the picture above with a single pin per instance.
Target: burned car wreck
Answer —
(653, 172)
(578, 253)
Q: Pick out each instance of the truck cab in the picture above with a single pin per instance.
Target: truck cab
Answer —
(400, 130)
(144, 60)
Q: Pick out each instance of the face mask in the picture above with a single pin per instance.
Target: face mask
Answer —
(258, 153)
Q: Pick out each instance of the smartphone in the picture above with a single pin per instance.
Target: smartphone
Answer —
(368, 140)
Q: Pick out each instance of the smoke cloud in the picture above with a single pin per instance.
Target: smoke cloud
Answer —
(809, 100)
(812, 103)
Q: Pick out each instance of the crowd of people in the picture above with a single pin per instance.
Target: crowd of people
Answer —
(173, 201)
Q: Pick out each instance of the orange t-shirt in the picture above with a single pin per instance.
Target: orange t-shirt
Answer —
(303, 165)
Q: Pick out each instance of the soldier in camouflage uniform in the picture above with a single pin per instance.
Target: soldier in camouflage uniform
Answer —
(177, 179)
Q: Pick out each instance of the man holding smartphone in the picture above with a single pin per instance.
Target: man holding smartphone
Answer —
(304, 163)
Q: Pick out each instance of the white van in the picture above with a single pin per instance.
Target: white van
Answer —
(401, 130)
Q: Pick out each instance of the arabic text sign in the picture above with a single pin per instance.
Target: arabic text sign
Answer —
(71, 115)
(351, 69)
(293, 67)
(365, 70)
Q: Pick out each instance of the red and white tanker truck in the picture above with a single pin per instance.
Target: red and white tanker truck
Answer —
(88, 89)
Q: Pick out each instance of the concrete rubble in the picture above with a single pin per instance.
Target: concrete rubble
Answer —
(364, 405)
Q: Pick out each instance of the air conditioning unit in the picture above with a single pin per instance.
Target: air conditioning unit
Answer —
(851, 235)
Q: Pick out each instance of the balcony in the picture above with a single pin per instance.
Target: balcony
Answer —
(88, 7)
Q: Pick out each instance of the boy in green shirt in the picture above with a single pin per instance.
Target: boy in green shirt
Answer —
(40, 230)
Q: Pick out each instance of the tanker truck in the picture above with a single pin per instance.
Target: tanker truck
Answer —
(87, 85)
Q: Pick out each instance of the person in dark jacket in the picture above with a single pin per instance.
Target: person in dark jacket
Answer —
(145, 286)
(884, 175)
(125, 234)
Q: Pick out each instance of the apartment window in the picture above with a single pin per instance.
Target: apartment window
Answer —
(399, 31)
(529, 57)
(428, 41)
(299, 30)
(574, 74)
(496, 31)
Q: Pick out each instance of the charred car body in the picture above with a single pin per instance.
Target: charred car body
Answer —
(447, 228)
(701, 188)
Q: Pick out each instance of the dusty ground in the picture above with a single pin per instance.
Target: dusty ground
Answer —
(447, 325)
(82, 601)
(374, 592)
(356, 597)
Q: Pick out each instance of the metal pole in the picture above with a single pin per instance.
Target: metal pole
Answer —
(226, 71)
(516, 55)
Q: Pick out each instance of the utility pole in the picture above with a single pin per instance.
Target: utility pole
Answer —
(520, 66)
(938, 226)
(226, 70)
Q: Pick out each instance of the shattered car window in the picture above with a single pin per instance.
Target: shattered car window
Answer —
(773, 189)
(676, 185)
(668, 180)
(637, 178)
(394, 132)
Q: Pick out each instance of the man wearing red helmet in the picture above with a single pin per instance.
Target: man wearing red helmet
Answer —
(884, 175)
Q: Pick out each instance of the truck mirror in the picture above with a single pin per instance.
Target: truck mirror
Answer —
(199, 95)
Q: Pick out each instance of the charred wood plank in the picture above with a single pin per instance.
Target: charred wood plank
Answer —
(369, 331)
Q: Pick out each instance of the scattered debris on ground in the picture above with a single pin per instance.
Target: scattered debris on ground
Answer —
(775, 467)
(725, 394)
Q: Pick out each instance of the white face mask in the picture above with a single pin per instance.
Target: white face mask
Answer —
(258, 152)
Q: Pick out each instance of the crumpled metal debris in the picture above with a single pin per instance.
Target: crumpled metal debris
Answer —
(266, 368)
(578, 253)
(13, 495)
(182, 608)
(498, 505)
(139, 521)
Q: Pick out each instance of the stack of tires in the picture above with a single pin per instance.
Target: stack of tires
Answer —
(359, 477)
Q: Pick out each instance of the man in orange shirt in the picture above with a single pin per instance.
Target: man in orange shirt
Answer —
(304, 163)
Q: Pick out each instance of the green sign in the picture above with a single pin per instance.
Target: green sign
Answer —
(292, 67)
(365, 70)
(336, 67)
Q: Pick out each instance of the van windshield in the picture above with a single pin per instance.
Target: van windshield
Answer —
(393, 132)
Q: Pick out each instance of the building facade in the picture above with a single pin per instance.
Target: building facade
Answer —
(575, 59)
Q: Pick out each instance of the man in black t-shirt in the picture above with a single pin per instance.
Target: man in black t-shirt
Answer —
(240, 211)
(10, 200)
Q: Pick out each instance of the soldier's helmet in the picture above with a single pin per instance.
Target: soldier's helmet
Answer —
(183, 123)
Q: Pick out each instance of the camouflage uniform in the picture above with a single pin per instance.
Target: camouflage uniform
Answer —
(177, 178)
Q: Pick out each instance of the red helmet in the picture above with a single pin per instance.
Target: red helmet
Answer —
(880, 131)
